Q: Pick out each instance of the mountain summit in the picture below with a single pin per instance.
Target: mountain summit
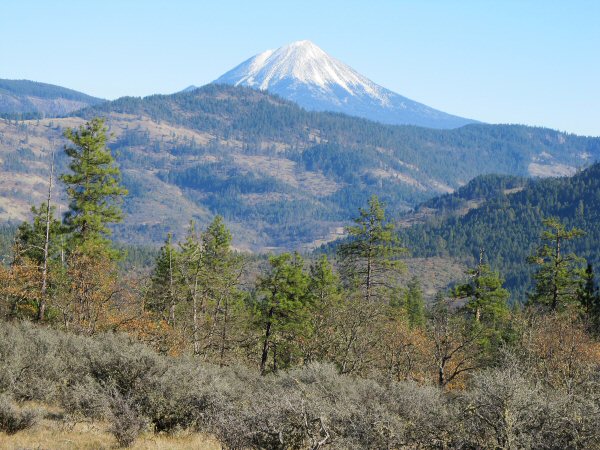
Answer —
(304, 73)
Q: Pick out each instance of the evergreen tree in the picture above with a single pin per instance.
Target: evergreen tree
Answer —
(94, 189)
(190, 272)
(164, 291)
(589, 297)
(281, 309)
(37, 245)
(222, 269)
(559, 275)
(324, 303)
(369, 258)
(414, 303)
(31, 237)
(485, 296)
(324, 282)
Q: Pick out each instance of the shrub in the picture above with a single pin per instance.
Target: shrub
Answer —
(13, 419)
(125, 425)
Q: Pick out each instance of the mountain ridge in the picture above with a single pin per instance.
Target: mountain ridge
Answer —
(32, 98)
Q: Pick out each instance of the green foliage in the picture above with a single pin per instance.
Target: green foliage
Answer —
(414, 303)
(559, 275)
(31, 237)
(164, 292)
(369, 258)
(93, 188)
(281, 309)
(589, 298)
(486, 299)
(508, 226)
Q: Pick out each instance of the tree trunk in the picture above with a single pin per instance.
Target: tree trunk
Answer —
(265, 350)
(223, 332)
(171, 292)
(42, 306)
(556, 268)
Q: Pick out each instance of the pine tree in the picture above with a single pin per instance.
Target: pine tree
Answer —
(31, 237)
(37, 245)
(369, 258)
(324, 302)
(414, 303)
(94, 189)
(281, 309)
(222, 269)
(190, 272)
(589, 297)
(559, 275)
(164, 292)
(485, 296)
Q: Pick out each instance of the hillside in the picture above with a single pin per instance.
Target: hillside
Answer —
(506, 222)
(280, 175)
(305, 74)
(30, 99)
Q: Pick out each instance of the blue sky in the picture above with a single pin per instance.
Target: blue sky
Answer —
(530, 62)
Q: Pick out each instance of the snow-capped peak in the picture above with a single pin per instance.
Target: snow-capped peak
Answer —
(301, 62)
(303, 73)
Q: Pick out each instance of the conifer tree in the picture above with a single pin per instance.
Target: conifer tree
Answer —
(164, 291)
(94, 189)
(589, 297)
(281, 309)
(370, 257)
(37, 245)
(324, 302)
(31, 237)
(222, 269)
(414, 303)
(559, 275)
(190, 272)
(485, 296)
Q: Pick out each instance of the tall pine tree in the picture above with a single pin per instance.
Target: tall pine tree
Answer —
(559, 275)
(94, 189)
(370, 257)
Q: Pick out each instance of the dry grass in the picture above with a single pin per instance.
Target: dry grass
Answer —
(55, 433)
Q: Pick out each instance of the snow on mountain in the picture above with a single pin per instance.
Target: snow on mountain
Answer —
(305, 74)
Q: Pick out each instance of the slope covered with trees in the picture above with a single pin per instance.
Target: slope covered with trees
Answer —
(29, 99)
(508, 220)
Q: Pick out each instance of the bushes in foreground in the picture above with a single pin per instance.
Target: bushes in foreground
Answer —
(12, 419)
(112, 378)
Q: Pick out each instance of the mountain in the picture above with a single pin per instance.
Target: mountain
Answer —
(503, 215)
(24, 98)
(305, 74)
(280, 175)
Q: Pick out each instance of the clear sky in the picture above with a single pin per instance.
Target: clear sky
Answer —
(503, 61)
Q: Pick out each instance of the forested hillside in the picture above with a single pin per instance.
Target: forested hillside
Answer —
(280, 176)
(506, 221)
(24, 99)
